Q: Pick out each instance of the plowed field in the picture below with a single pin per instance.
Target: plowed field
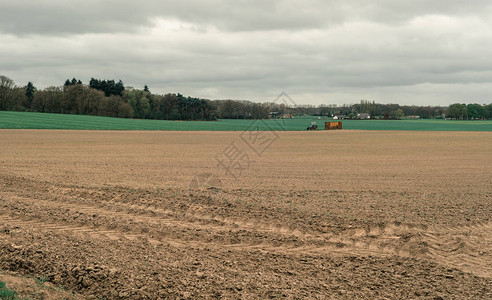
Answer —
(341, 214)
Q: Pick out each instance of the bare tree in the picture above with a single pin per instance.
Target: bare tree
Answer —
(6, 89)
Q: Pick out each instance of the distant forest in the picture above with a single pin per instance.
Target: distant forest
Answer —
(111, 98)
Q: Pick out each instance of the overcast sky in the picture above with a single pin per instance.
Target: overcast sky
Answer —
(421, 52)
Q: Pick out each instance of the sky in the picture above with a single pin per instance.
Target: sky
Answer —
(420, 52)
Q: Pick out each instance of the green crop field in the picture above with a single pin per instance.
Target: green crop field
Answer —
(28, 120)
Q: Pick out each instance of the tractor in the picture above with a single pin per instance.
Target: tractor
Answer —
(312, 126)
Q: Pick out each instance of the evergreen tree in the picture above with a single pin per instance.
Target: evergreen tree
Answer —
(30, 90)
(74, 81)
(109, 87)
(119, 88)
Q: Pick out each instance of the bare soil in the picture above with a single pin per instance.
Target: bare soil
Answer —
(340, 214)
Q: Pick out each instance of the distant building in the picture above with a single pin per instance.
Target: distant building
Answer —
(279, 115)
(363, 116)
(338, 117)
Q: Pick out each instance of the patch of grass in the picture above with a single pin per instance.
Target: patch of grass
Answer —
(30, 120)
(6, 293)
(41, 280)
(39, 287)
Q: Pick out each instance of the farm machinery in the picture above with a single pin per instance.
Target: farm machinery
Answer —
(312, 126)
(333, 125)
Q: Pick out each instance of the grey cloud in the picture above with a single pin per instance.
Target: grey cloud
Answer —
(317, 51)
(91, 16)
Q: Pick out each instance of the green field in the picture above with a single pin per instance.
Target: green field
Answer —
(28, 120)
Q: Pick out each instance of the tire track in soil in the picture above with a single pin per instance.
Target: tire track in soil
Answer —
(357, 241)
(468, 248)
(339, 245)
(457, 247)
(64, 197)
(81, 231)
(146, 217)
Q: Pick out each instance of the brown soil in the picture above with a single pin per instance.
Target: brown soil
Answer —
(342, 214)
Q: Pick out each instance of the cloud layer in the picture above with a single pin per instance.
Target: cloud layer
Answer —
(319, 52)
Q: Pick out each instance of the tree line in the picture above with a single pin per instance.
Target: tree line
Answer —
(111, 98)
(103, 98)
